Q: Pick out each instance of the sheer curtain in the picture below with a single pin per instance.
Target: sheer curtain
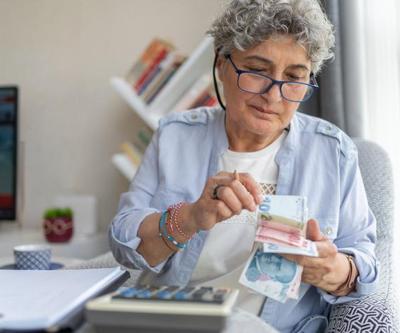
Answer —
(382, 50)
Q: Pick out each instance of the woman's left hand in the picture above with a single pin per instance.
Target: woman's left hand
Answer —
(330, 269)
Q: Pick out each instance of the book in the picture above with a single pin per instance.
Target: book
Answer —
(157, 57)
(144, 60)
(143, 138)
(164, 64)
(164, 69)
(162, 83)
(51, 299)
(150, 72)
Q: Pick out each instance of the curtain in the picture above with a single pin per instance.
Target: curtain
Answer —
(383, 86)
(341, 97)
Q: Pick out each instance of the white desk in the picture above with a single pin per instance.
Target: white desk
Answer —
(79, 248)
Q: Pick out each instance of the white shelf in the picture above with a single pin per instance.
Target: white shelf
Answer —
(199, 62)
(129, 95)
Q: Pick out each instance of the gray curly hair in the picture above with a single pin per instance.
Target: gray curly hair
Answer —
(246, 23)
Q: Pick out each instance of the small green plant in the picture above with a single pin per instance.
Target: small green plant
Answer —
(53, 213)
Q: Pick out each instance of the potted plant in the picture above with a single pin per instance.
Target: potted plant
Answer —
(58, 224)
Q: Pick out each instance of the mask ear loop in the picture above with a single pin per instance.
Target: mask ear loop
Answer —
(215, 80)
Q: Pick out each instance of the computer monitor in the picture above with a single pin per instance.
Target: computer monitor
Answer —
(8, 152)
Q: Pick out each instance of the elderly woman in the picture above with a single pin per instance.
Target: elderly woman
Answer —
(206, 170)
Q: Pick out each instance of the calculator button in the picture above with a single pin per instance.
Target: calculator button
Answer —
(199, 294)
(166, 293)
(146, 292)
(184, 293)
(127, 293)
(219, 295)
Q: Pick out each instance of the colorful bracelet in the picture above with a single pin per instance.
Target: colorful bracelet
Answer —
(163, 232)
(174, 211)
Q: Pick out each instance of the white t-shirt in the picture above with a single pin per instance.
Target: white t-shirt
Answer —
(229, 243)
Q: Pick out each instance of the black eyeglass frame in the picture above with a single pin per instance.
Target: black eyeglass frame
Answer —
(313, 86)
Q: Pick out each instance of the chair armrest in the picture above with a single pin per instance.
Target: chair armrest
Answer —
(368, 314)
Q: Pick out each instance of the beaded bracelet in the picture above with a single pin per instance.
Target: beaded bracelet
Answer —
(174, 211)
(163, 232)
(164, 240)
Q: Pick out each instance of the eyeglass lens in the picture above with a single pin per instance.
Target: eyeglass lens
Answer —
(258, 84)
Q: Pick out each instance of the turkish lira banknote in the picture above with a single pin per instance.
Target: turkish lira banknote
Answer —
(271, 275)
(282, 222)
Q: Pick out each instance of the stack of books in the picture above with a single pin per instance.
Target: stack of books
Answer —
(155, 67)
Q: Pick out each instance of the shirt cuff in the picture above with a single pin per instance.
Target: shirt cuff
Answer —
(367, 280)
(124, 241)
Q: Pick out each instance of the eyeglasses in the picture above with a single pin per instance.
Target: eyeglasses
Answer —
(256, 83)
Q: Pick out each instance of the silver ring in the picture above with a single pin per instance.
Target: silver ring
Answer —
(215, 191)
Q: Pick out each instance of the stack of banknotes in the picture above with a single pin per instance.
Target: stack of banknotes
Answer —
(282, 222)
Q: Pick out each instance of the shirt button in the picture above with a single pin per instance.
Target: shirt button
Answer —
(328, 231)
(329, 127)
(193, 116)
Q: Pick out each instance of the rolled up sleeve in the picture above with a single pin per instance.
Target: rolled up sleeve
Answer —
(357, 231)
(134, 207)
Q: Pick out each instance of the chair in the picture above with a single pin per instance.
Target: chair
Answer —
(378, 312)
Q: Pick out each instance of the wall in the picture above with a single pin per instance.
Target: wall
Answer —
(62, 54)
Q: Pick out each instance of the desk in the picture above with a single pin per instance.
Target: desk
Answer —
(80, 247)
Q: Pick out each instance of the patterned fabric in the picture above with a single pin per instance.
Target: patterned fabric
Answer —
(39, 259)
(369, 314)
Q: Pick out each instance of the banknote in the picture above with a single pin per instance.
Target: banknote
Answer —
(265, 218)
(289, 210)
(282, 222)
(275, 247)
(271, 275)
(295, 286)
(289, 238)
(275, 241)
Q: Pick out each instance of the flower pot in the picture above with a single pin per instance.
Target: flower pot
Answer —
(58, 229)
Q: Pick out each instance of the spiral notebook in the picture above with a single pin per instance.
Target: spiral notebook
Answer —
(43, 300)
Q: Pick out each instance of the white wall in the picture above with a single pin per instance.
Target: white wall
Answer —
(61, 54)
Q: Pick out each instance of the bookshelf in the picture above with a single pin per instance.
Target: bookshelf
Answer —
(135, 102)
(199, 62)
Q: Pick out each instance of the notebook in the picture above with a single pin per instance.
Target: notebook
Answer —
(51, 300)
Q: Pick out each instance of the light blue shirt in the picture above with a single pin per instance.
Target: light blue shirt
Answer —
(316, 160)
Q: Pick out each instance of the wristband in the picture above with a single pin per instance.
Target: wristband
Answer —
(348, 286)
(173, 214)
(163, 232)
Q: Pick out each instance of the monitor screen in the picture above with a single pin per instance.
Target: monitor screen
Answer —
(8, 152)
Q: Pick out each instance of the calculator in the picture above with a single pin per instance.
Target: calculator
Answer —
(162, 309)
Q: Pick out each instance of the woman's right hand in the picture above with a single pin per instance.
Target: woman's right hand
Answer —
(224, 195)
